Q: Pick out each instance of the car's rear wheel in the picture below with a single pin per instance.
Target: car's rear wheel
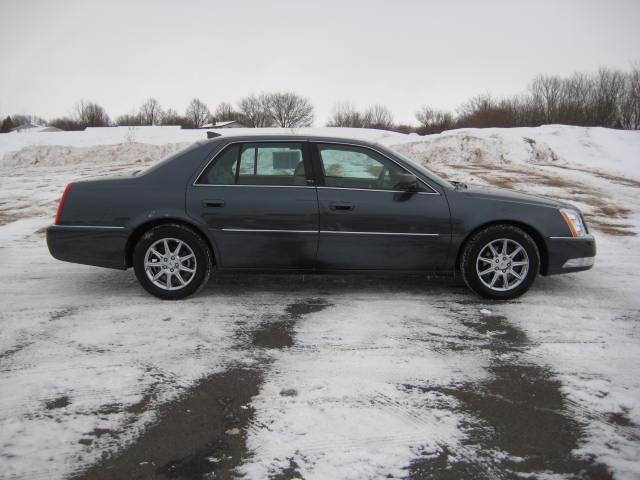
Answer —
(500, 262)
(172, 261)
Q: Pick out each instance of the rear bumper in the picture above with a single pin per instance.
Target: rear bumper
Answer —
(569, 254)
(99, 246)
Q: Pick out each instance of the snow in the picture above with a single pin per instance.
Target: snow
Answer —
(615, 151)
(106, 356)
(84, 348)
(348, 364)
(170, 134)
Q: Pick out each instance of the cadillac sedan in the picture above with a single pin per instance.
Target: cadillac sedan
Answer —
(311, 204)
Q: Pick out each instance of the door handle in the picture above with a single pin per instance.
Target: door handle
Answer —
(213, 203)
(341, 206)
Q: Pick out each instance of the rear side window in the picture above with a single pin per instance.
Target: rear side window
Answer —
(278, 164)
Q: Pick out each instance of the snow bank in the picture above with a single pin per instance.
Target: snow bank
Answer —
(59, 155)
(99, 136)
(169, 134)
(615, 151)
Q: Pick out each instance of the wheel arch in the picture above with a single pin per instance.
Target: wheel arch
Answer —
(141, 229)
(533, 232)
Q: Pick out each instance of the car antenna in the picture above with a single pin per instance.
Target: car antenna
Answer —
(213, 134)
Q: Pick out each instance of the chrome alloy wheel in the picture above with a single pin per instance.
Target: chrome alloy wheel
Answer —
(170, 264)
(502, 264)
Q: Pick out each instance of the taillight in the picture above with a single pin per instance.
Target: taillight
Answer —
(61, 203)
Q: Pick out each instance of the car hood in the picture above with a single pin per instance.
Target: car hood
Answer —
(503, 194)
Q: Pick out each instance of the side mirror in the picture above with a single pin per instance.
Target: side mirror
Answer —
(407, 182)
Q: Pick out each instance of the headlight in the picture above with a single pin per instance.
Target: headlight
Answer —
(574, 222)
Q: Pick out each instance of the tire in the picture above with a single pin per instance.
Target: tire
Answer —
(178, 275)
(513, 276)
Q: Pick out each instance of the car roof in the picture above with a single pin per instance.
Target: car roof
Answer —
(287, 137)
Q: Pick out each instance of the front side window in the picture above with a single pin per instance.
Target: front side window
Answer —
(346, 166)
(278, 164)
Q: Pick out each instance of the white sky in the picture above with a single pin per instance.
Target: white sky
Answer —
(399, 53)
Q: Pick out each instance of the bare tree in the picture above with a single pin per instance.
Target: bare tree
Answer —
(630, 105)
(574, 101)
(484, 111)
(256, 110)
(151, 112)
(375, 116)
(434, 121)
(226, 113)
(25, 119)
(289, 110)
(91, 114)
(129, 120)
(378, 116)
(198, 112)
(607, 93)
(548, 91)
(345, 115)
(66, 123)
(172, 117)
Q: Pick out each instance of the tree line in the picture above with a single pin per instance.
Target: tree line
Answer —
(271, 109)
(607, 98)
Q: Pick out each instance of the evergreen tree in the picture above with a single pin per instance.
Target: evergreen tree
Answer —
(7, 125)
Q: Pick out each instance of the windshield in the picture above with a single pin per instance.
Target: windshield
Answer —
(424, 171)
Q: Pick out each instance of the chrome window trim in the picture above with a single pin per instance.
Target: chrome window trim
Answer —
(310, 186)
(306, 139)
(588, 236)
(376, 190)
(212, 159)
(259, 186)
(88, 226)
(408, 234)
(259, 230)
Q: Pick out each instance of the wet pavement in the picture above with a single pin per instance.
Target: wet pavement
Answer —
(203, 434)
(516, 421)
(412, 358)
(519, 421)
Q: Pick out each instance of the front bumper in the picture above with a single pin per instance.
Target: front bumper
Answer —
(99, 246)
(570, 254)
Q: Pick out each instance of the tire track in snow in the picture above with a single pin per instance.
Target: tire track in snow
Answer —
(190, 439)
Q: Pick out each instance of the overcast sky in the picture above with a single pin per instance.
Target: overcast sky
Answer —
(399, 53)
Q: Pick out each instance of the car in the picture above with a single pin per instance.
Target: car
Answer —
(299, 203)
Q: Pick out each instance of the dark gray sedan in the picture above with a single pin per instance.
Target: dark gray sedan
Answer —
(311, 204)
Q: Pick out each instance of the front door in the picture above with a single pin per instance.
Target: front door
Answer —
(259, 205)
(368, 224)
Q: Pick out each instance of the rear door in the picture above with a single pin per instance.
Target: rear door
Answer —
(260, 205)
(366, 223)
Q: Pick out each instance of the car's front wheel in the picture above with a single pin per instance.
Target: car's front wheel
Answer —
(172, 261)
(500, 262)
